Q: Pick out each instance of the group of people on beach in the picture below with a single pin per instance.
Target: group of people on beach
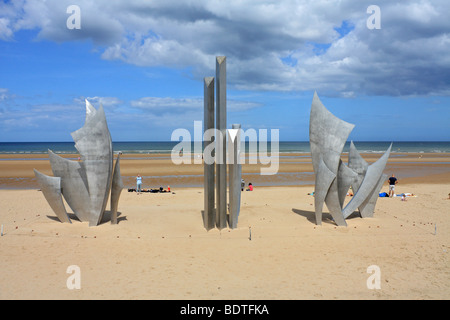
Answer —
(139, 188)
(391, 192)
(392, 183)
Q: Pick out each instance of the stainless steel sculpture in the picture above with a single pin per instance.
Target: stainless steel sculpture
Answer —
(116, 190)
(216, 216)
(327, 135)
(333, 177)
(368, 185)
(345, 179)
(234, 169)
(367, 208)
(221, 146)
(85, 184)
(360, 166)
(209, 214)
(51, 188)
(324, 178)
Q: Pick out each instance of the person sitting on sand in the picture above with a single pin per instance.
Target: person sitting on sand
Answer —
(161, 189)
(250, 187)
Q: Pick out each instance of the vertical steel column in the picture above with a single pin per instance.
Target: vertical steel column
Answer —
(116, 189)
(234, 171)
(209, 215)
(221, 146)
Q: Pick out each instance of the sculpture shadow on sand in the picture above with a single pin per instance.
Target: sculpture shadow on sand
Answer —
(326, 217)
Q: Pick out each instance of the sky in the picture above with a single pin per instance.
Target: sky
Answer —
(385, 71)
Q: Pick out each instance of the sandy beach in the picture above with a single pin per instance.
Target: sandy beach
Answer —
(160, 249)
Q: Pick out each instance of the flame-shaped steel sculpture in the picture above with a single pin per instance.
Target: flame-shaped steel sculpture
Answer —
(333, 177)
(85, 184)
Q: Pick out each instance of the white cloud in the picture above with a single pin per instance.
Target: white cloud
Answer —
(6, 97)
(96, 101)
(158, 105)
(5, 31)
(407, 56)
(4, 94)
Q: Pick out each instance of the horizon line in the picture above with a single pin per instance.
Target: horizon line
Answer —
(165, 141)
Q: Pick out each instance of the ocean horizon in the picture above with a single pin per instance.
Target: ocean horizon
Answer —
(164, 147)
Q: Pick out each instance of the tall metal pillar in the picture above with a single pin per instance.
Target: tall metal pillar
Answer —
(209, 215)
(234, 171)
(221, 146)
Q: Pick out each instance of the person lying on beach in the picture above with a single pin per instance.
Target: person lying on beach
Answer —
(159, 190)
(143, 190)
(406, 194)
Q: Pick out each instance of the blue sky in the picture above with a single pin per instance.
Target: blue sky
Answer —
(145, 62)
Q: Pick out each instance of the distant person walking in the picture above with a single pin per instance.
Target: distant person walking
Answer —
(138, 184)
(392, 182)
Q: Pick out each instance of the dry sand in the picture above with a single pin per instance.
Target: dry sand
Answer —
(160, 250)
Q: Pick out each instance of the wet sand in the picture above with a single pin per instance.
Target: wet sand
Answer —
(16, 171)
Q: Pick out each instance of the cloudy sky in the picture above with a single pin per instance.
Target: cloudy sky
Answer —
(145, 62)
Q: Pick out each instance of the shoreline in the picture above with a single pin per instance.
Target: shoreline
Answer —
(294, 169)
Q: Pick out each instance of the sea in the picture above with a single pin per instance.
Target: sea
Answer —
(164, 147)
(162, 150)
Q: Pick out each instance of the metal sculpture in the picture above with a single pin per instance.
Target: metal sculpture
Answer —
(209, 214)
(215, 212)
(85, 184)
(367, 188)
(327, 135)
(333, 177)
(51, 188)
(235, 173)
(116, 190)
(221, 146)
